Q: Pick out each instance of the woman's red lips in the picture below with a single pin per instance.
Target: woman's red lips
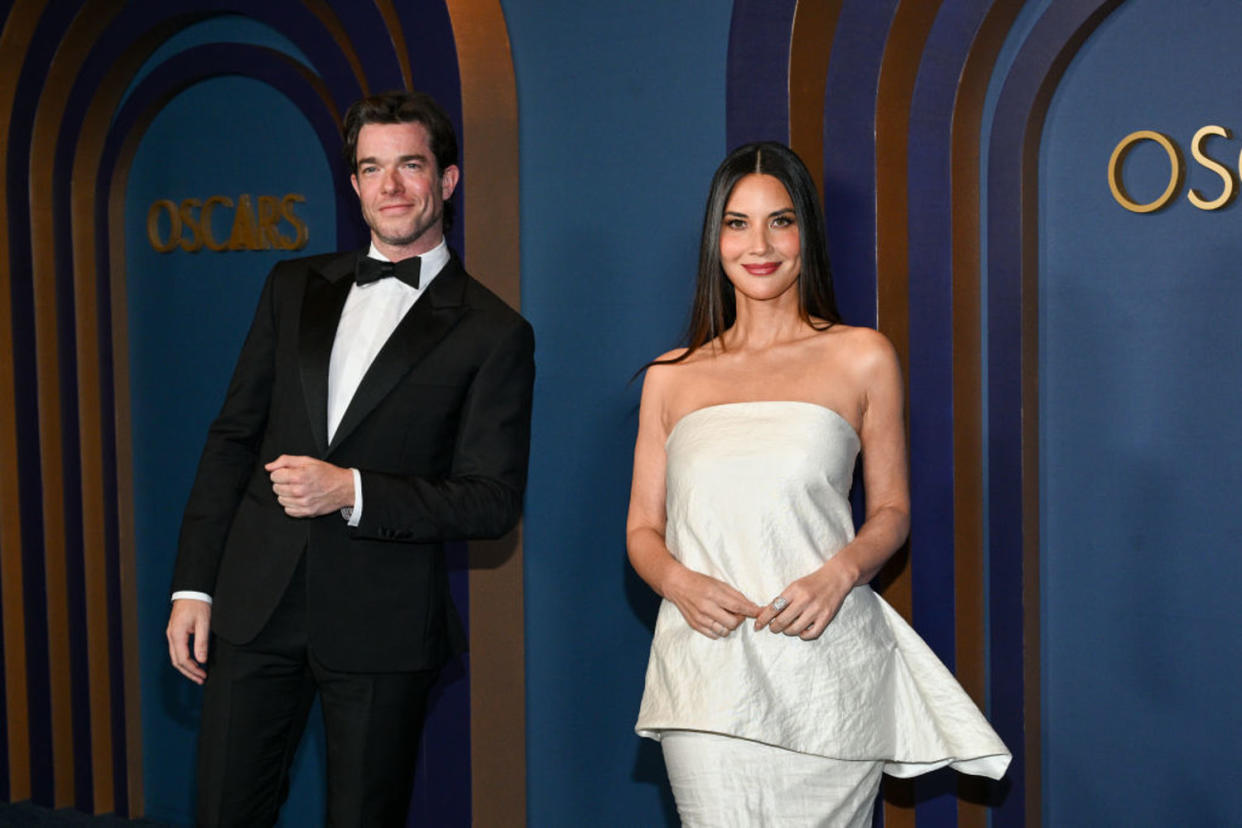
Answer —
(763, 269)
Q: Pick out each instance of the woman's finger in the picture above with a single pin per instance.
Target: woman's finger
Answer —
(771, 611)
(708, 628)
(796, 626)
(787, 611)
(721, 621)
(733, 601)
(813, 630)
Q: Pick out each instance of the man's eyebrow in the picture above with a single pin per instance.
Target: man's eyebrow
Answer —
(371, 159)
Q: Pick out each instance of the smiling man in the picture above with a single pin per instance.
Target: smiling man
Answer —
(380, 407)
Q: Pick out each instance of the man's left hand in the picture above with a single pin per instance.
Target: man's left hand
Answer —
(307, 487)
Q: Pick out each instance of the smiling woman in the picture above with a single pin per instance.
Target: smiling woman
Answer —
(779, 683)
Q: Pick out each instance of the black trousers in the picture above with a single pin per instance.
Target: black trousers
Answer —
(255, 706)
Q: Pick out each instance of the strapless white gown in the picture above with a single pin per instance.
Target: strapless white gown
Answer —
(758, 496)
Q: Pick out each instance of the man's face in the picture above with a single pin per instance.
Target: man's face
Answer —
(401, 191)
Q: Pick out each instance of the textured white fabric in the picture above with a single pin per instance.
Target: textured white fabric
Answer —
(758, 496)
(723, 782)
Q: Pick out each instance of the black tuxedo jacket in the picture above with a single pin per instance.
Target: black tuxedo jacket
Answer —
(439, 429)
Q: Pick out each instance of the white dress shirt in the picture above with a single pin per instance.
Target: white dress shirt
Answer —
(370, 315)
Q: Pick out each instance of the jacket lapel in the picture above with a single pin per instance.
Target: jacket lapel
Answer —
(325, 295)
(429, 321)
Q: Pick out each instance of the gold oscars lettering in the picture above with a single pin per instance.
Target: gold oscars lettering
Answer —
(1177, 170)
(191, 225)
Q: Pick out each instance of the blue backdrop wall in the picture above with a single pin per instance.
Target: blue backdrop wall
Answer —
(1139, 437)
(622, 124)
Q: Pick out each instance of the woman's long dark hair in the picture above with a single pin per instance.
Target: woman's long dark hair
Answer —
(715, 307)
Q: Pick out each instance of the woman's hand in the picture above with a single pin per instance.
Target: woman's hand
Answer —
(808, 605)
(709, 605)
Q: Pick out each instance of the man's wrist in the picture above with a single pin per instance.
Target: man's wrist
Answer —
(353, 514)
(191, 595)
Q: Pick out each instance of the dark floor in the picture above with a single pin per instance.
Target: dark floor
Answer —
(26, 815)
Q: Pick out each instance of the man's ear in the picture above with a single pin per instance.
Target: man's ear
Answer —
(448, 181)
(353, 179)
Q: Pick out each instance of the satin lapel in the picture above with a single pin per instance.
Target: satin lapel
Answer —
(428, 322)
(321, 313)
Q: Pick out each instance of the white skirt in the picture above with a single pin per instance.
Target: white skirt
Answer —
(722, 781)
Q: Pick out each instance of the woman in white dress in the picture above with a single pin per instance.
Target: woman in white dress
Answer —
(779, 684)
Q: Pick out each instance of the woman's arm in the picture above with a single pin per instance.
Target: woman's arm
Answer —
(709, 605)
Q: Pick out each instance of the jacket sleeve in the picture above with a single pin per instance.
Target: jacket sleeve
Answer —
(230, 454)
(481, 497)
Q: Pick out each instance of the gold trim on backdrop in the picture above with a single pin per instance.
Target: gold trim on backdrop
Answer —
(899, 69)
(83, 202)
(392, 22)
(968, 452)
(332, 24)
(65, 68)
(15, 39)
(490, 136)
(1029, 352)
(49, 115)
(125, 455)
(1029, 349)
(99, 630)
(810, 49)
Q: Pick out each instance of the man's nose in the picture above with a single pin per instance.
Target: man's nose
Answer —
(391, 181)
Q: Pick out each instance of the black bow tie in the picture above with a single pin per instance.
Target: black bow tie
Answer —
(372, 270)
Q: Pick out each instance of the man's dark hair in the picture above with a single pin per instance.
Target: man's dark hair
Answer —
(400, 107)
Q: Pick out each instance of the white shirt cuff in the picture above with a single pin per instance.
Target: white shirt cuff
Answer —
(353, 514)
(191, 594)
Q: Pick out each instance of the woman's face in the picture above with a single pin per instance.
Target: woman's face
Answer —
(760, 248)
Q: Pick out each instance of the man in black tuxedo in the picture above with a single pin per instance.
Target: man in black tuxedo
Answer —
(380, 407)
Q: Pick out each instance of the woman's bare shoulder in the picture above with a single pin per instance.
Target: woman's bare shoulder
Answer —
(859, 358)
(863, 346)
(658, 374)
(659, 370)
